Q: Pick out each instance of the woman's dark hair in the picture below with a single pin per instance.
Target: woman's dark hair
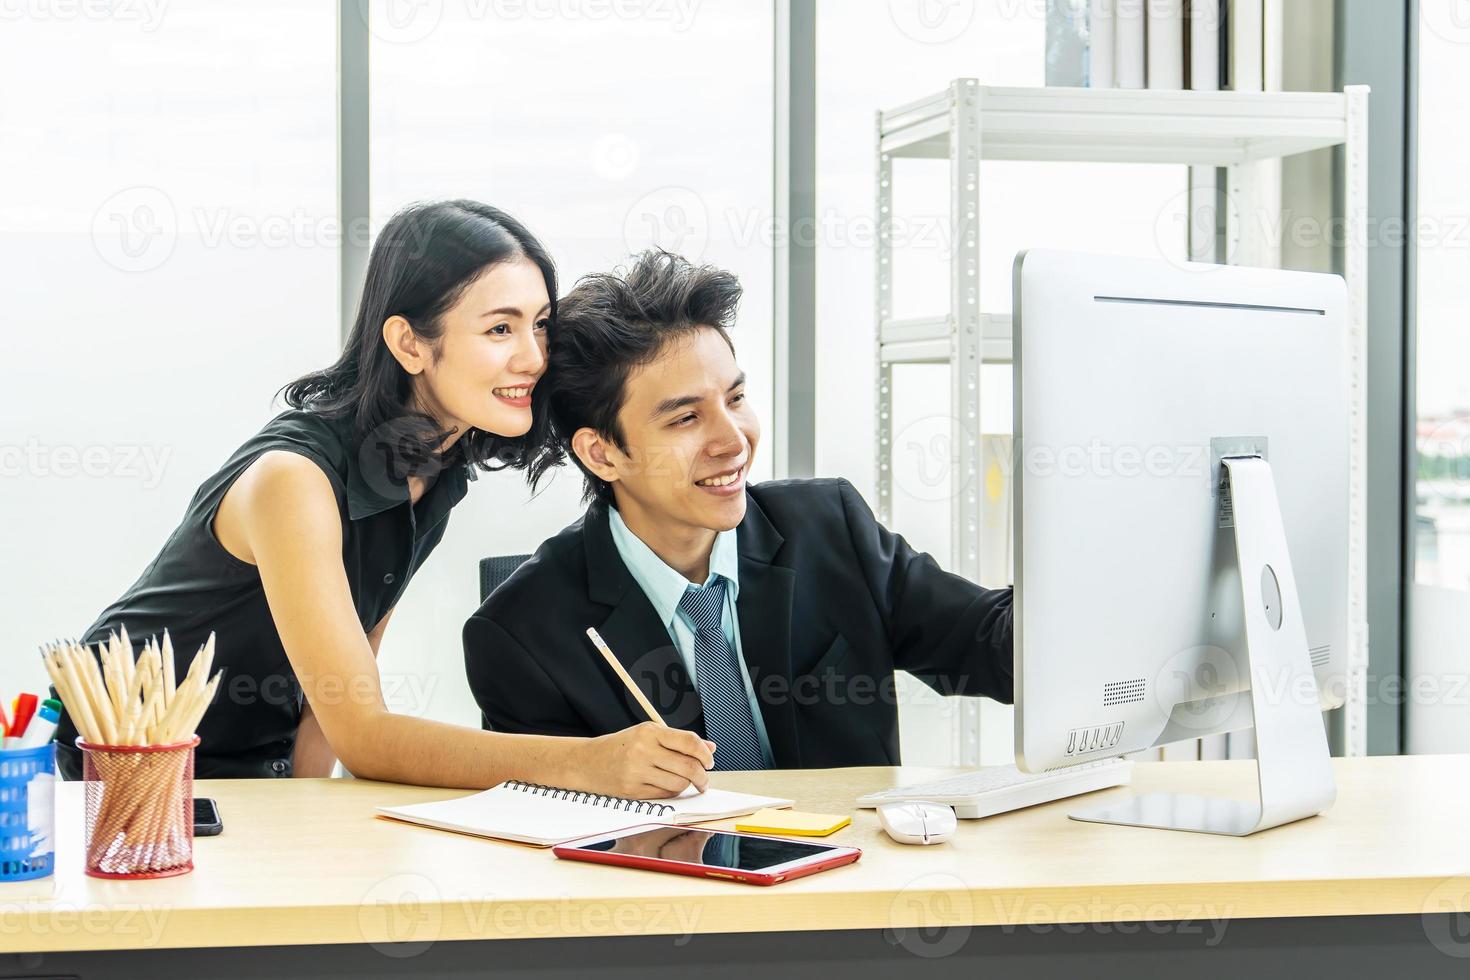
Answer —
(609, 325)
(422, 262)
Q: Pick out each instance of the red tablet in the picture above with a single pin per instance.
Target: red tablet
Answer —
(750, 858)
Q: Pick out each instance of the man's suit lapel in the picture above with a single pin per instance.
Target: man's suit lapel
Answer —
(767, 593)
(633, 631)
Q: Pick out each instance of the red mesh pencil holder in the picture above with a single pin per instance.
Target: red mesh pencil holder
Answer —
(140, 809)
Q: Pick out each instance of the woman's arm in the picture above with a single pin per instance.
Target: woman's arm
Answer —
(285, 520)
(312, 755)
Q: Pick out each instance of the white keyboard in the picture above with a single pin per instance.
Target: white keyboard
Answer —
(1000, 789)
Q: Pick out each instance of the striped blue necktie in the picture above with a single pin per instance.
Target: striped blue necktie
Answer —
(727, 717)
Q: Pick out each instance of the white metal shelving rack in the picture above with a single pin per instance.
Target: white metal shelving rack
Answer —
(968, 123)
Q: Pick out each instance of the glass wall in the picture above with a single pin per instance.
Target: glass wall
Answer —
(1439, 653)
(169, 230)
(1442, 239)
(169, 247)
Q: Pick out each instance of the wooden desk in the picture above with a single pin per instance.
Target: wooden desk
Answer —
(304, 863)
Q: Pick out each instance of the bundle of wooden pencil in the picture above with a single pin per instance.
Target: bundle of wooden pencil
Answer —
(115, 699)
(138, 808)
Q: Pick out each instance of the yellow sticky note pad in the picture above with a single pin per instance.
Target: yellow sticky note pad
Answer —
(794, 822)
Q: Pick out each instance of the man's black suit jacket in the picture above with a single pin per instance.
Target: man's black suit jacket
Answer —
(830, 603)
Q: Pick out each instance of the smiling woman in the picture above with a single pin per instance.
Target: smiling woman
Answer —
(297, 550)
(455, 296)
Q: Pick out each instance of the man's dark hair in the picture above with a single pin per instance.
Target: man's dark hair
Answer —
(609, 325)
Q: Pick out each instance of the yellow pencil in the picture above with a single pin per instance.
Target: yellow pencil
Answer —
(617, 667)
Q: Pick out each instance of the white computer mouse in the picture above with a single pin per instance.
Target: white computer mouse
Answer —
(918, 822)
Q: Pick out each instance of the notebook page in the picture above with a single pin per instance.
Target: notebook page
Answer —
(515, 815)
(714, 804)
(512, 814)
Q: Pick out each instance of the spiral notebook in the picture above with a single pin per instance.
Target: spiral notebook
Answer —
(547, 815)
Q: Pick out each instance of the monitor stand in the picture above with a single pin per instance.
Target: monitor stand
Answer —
(1293, 765)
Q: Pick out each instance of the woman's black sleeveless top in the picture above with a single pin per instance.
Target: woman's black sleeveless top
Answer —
(194, 587)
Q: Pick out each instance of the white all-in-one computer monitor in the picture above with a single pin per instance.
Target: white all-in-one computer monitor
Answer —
(1181, 490)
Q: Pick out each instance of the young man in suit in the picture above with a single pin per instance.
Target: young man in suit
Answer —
(769, 618)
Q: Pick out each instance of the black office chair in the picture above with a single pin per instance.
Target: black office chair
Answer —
(496, 569)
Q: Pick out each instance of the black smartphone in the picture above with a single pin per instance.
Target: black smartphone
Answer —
(206, 818)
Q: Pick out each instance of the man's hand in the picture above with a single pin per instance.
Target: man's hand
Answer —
(647, 761)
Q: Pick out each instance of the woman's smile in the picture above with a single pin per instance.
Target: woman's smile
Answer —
(518, 396)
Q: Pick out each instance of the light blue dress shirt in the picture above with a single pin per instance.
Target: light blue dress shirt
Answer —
(665, 588)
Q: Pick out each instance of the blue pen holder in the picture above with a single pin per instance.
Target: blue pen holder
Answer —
(27, 812)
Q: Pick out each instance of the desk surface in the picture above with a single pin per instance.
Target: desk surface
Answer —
(305, 861)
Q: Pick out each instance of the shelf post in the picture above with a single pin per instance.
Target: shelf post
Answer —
(1355, 272)
(883, 301)
(964, 287)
